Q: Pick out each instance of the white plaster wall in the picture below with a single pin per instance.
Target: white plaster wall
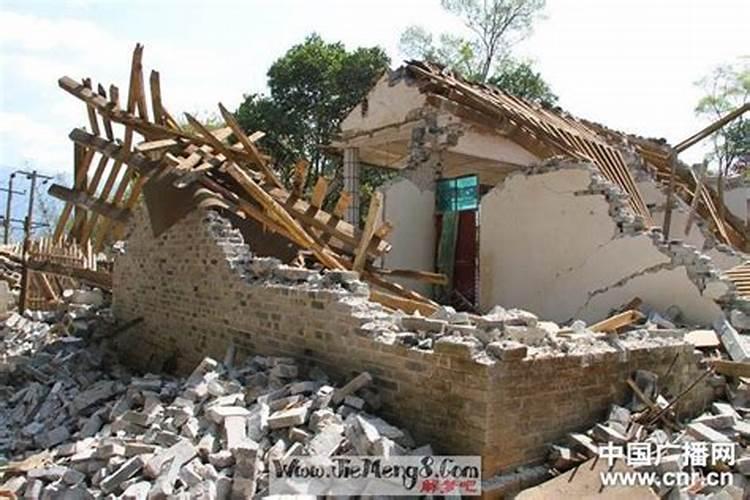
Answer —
(412, 212)
(493, 147)
(737, 201)
(653, 196)
(544, 249)
(386, 105)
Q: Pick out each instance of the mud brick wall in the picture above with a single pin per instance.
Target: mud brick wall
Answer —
(199, 289)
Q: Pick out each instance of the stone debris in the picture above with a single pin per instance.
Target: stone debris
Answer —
(95, 430)
(653, 426)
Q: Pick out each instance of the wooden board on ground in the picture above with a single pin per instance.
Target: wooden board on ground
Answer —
(731, 368)
(584, 483)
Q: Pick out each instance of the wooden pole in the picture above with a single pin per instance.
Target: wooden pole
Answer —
(670, 194)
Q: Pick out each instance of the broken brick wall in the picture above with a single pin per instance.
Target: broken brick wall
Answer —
(198, 290)
(188, 286)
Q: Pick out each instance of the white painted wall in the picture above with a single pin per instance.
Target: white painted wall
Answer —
(653, 196)
(493, 147)
(546, 250)
(737, 201)
(386, 105)
(412, 212)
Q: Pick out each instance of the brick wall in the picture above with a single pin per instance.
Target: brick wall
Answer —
(198, 289)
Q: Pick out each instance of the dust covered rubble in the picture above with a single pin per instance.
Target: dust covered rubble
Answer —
(78, 425)
(671, 446)
(513, 334)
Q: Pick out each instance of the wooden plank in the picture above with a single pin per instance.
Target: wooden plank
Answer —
(373, 216)
(80, 175)
(105, 120)
(345, 199)
(82, 162)
(83, 200)
(277, 212)
(136, 79)
(136, 82)
(320, 219)
(156, 106)
(299, 177)
(396, 289)
(407, 305)
(96, 278)
(428, 277)
(91, 190)
(129, 177)
(157, 147)
(617, 321)
(319, 192)
(731, 368)
(91, 110)
(248, 145)
(46, 286)
(112, 150)
(133, 197)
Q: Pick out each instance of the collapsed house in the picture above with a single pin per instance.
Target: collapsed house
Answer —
(529, 207)
(220, 255)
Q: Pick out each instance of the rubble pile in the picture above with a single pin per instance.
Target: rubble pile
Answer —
(78, 425)
(506, 334)
(647, 437)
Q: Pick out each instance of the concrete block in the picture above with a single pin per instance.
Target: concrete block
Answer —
(235, 430)
(205, 366)
(742, 427)
(127, 470)
(420, 324)
(221, 459)
(743, 465)
(351, 387)
(243, 487)
(732, 340)
(133, 449)
(507, 350)
(361, 434)
(327, 441)
(704, 433)
(739, 319)
(718, 422)
(178, 454)
(217, 414)
(137, 491)
(605, 434)
(289, 417)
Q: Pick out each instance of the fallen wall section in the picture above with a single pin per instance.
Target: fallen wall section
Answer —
(198, 290)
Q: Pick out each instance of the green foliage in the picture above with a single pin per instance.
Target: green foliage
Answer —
(449, 50)
(312, 87)
(727, 88)
(520, 79)
(494, 26)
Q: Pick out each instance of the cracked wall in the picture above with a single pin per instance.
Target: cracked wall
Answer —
(560, 243)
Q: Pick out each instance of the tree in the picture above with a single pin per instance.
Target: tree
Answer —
(495, 26)
(520, 79)
(727, 88)
(312, 87)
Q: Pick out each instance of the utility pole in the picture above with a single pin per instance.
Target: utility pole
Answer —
(6, 222)
(28, 221)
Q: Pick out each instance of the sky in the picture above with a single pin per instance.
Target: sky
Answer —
(629, 64)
